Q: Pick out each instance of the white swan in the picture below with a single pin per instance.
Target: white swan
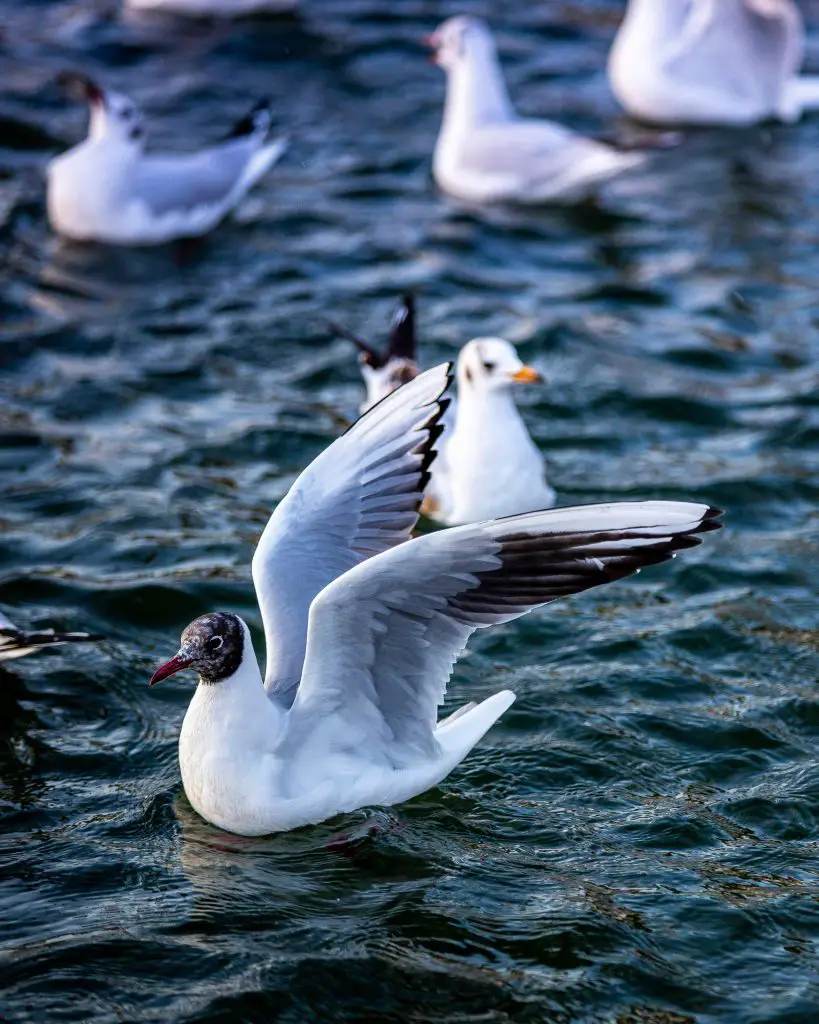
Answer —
(363, 626)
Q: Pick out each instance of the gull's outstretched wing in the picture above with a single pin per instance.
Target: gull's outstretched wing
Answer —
(383, 638)
(198, 185)
(358, 498)
(530, 158)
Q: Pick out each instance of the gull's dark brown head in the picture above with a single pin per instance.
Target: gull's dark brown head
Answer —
(80, 87)
(213, 644)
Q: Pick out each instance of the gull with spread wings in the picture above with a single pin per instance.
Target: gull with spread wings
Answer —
(363, 625)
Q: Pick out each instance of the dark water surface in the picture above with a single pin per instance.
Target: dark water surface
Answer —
(636, 841)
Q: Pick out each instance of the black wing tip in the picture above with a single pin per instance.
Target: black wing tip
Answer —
(403, 343)
(46, 638)
(370, 355)
(257, 120)
(710, 519)
(428, 449)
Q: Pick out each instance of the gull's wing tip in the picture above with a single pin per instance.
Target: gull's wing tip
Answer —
(435, 428)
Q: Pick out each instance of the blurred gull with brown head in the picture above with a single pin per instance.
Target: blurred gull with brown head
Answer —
(108, 189)
(486, 153)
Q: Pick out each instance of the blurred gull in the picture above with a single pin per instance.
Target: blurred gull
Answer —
(486, 153)
(364, 625)
(215, 8)
(730, 62)
(16, 643)
(107, 189)
(487, 464)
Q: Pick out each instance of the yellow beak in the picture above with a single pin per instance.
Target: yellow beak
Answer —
(527, 375)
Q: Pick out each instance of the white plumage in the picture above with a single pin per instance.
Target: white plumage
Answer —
(711, 62)
(215, 8)
(108, 189)
(363, 626)
(485, 153)
(487, 464)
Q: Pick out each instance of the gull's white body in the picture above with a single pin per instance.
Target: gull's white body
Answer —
(485, 153)
(107, 189)
(264, 784)
(363, 626)
(215, 8)
(492, 466)
(711, 62)
(488, 465)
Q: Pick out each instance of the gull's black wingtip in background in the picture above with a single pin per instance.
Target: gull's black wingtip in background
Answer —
(16, 643)
(257, 120)
(403, 341)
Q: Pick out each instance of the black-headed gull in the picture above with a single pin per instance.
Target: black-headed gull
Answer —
(486, 153)
(487, 465)
(108, 189)
(385, 371)
(730, 62)
(363, 626)
(16, 642)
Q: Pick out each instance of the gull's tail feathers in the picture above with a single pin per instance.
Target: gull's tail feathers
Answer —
(256, 121)
(466, 727)
(802, 94)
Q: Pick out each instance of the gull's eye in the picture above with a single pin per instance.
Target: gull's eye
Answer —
(489, 367)
(127, 113)
(214, 643)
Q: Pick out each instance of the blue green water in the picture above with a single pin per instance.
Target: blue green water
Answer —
(636, 841)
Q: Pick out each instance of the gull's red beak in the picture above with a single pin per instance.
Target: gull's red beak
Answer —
(430, 41)
(174, 665)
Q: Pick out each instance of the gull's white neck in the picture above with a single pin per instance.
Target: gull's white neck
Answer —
(231, 718)
(488, 417)
(98, 122)
(655, 21)
(476, 92)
